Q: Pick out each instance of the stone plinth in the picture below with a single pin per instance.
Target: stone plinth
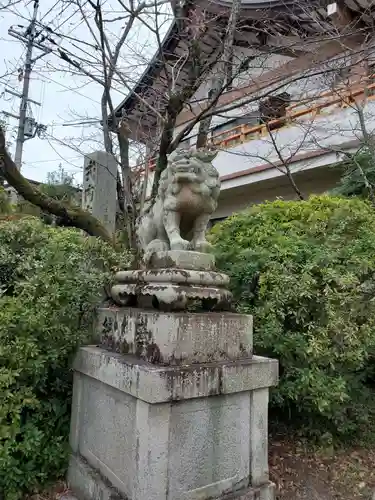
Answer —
(176, 338)
(148, 432)
(175, 280)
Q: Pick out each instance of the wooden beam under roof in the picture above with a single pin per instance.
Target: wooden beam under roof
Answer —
(242, 40)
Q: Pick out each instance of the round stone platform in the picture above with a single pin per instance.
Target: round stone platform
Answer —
(183, 280)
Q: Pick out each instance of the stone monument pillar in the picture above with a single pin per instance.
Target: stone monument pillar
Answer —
(99, 195)
(172, 404)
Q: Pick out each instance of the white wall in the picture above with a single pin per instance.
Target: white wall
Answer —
(262, 63)
(308, 182)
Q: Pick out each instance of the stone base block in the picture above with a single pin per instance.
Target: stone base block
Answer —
(145, 432)
(264, 492)
(89, 484)
(176, 338)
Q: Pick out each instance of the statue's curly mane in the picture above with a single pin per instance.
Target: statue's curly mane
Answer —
(163, 183)
(202, 157)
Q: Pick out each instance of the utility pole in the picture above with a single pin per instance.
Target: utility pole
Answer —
(27, 127)
(30, 34)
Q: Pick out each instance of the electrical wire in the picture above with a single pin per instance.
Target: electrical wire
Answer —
(62, 35)
(74, 149)
(74, 13)
(41, 100)
(50, 161)
(58, 154)
(46, 14)
(64, 86)
(42, 25)
(16, 67)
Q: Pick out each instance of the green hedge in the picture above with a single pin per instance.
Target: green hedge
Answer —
(5, 207)
(50, 281)
(305, 270)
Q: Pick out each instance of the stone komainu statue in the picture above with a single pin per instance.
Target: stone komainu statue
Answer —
(188, 191)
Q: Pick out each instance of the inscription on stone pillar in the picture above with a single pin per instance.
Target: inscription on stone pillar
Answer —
(99, 188)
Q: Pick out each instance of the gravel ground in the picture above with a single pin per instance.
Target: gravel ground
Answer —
(301, 473)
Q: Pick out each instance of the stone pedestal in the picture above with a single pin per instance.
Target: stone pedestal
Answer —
(189, 432)
(174, 338)
(170, 405)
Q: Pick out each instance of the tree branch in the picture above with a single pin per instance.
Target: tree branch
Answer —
(68, 216)
(226, 71)
(285, 163)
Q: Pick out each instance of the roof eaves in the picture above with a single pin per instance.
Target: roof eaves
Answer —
(168, 45)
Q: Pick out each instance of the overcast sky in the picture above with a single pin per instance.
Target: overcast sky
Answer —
(64, 97)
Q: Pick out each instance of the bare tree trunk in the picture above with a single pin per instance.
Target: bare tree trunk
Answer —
(369, 186)
(369, 144)
(177, 99)
(123, 182)
(174, 108)
(129, 205)
(285, 164)
(226, 71)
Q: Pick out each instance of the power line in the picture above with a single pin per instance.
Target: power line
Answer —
(46, 14)
(67, 19)
(65, 87)
(58, 154)
(71, 39)
(84, 155)
(50, 161)
(44, 26)
(68, 37)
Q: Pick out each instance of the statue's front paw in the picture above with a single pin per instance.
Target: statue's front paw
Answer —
(202, 246)
(179, 244)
